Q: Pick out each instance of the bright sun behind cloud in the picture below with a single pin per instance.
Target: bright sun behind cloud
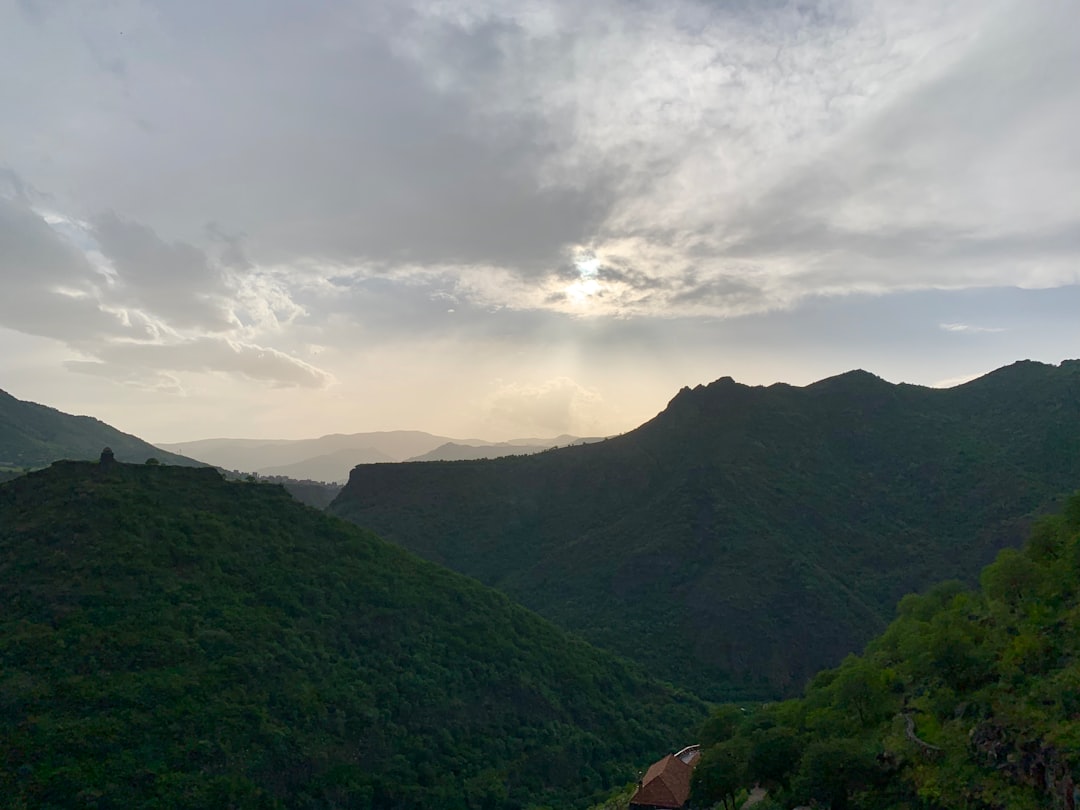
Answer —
(580, 292)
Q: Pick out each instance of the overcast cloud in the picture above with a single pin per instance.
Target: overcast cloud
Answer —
(496, 205)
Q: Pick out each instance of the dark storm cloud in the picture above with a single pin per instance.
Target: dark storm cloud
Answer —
(49, 287)
(232, 253)
(715, 157)
(126, 320)
(307, 129)
(623, 272)
(173, 280)
(964, 180)
(731, 293)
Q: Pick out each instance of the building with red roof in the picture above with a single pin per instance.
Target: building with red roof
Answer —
(666, 785)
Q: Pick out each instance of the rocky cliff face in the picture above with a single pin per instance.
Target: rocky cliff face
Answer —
(1028, 762)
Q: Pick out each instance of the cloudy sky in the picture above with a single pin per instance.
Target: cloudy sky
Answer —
(482, 218)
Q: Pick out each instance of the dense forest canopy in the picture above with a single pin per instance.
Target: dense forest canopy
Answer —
(747, 537)
(171, 639)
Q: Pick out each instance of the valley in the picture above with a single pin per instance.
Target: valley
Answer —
(480, 405)
(747, 537)
(330, 458)
(196, 640)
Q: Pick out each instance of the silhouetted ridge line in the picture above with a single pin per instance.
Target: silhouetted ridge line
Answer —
(745, 537)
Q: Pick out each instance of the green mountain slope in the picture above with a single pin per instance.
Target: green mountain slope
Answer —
(33, 435)
(969, 699)
(747, 537)
(171, 639)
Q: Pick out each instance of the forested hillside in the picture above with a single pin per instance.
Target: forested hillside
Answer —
(171, 639)
(33, 435)
(747, 537)
(970, 699)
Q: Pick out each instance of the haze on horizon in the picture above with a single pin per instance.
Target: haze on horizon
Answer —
(478, 218)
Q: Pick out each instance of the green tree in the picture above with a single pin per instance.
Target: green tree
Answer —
(862, 688)
(773, 757)
(722, 725)
(831, 770)
(720, 774)
(1010, 578)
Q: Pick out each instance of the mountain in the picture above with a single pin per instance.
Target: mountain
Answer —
(333, 466)
(331, 457)
(313, 493)
(747, 537)
(452, 451)
(172, 639)
(33, 435)
(562, 440)
(263, 455)
(969, 699)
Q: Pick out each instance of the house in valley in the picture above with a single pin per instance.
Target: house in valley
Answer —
(666, 785)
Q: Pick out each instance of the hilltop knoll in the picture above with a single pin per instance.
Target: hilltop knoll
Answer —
(172, 639)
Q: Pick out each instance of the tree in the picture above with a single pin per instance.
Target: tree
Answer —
(861, 687)
(721, 725)
(831, 770)
(773, 757)
(1010, 578)
(719, 775)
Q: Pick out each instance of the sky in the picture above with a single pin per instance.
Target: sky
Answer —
(260, 218)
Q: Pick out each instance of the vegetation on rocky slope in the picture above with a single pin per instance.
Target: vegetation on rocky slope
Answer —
(171, 639)
(970, 699)
(747, 537)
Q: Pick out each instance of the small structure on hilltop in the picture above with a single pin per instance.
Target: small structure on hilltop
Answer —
(107, 456)
(666, 785)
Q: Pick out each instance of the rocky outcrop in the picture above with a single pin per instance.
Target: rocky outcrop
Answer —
(1030, 763)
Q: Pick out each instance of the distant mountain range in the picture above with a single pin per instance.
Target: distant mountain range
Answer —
(172, 639)
(331, 457)
(33, 435)
(746, 537)
(333, 466)
(453, 451)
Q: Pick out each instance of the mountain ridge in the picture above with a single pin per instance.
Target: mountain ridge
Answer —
(455, 451)
(332, 466)
(791, 517)
(35, 435)
(332, 456)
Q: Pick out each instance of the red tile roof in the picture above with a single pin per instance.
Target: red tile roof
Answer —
(666, 784)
